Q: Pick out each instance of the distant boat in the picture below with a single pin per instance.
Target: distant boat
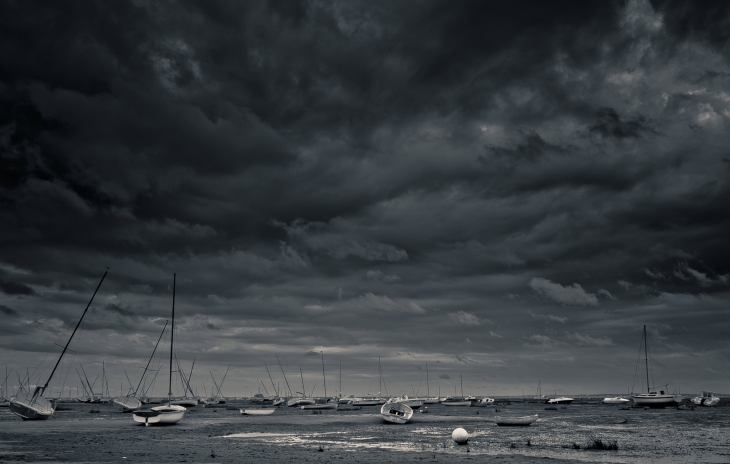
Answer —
(170, 413)
(366, 401)
(397, 413)
(560, 400)
(451, 401)
(706, 398)
(515, 421)
(315, 406)
(32, 405)
(258, 411)
(413, 403)
(484, 402)
(655, 397)
(615, 400)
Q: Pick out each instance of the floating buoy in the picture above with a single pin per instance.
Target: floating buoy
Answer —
(460, 436)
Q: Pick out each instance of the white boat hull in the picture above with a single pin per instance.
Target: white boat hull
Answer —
(656, 401)
(456, 403)
(706, 399)
(396, 413)
(128, 403)
(295, 402)
(515, 421)
(365, 403)
(562, 400)
(319, 406)
(616, 400)
(159, 415)
(186, 402)
(258, 411)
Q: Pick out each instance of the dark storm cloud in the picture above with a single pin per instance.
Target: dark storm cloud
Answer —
(503, 179)
(8, 311)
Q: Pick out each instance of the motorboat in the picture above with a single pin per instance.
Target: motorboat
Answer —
(615, 400)
(257, 411)
(515, 421)
(706, 398)
(560, 400)
(452, 401)
(396, 413)
(483, 402)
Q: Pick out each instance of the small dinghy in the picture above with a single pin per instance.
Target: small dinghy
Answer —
(515, 421)
(319, 406)
(397, 413)
(258, 411)
(160, 415)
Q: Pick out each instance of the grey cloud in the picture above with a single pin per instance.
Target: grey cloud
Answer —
(15, 288)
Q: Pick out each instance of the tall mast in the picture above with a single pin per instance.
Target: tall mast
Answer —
(150, 360)
(380, 370)
(340, 378)
(172, 339)
(646, 361)
(428, 389)
(461, 382)
(71, 337)
(282, 373)
(324, 379)
(304, 392)
(276, 390)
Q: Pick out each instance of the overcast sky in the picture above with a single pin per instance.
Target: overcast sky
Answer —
(506, 191)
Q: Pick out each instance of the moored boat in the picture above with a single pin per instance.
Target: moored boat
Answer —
(560, 400)
(396, 413)
(706, 398)
(315, 406)
(615, 400)
(257, 411)
(655, 397)
(515, 421)
(483, 402)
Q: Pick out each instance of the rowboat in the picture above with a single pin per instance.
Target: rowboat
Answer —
(258, 411)
(319, 406)
(397, 413)
(515, 421)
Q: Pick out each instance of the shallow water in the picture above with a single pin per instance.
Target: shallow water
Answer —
(669, 435)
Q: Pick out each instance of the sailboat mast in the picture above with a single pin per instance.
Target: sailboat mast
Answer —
(172, 339)
(276, 390)
(301, 376)
(461, 381)
(380, 370)
(150, 360)
(282, 373)
(646, 361)
(324, 379)
(428, 388)
(340, 379)
(73, 333)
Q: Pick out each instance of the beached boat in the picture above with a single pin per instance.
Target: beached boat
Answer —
(257, 411)
(170, 413)
(615, 400)
(132, 401)
(413, 403)
(315, 406)
(32, 405)
(706, 398)
(397, 413)
(655, 397)
(515, 421)
(367, 401)
(560, 400)
(451, 401)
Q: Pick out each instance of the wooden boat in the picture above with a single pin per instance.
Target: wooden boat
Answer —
(615, 400)
(706, 398)
(515, 421)
(655, 397)
(258, 411)
(170, 413)
(32, 405)
(397, 413)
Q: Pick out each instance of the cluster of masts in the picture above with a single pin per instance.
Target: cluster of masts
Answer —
(32, 404)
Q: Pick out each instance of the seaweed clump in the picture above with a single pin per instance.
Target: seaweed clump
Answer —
(600, 445)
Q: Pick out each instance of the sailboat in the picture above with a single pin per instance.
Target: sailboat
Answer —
(170, 413)
(655, 397)
(33, 406)
(429, 399)
(326, 404)
(132, 401)
(458, 401)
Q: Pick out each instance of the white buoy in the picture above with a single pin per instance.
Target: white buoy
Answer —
(460, 436)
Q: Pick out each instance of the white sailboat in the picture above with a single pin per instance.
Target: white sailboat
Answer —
(170, 413)
(32, 405)
(132, 401)
(325, 402)
(458, 401)
(655, 397)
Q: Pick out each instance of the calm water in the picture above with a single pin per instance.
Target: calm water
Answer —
(669, 435)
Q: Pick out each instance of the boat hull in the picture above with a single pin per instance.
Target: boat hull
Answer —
(258, 411)
(186, 402)
(128, 403)
(160, 415)
(456, 403)
(396, 413)
(365, 403)
(295, 402)
(656, 401)
(34, 408)
(307, 407)
(616, 400)
(559, 401)
(515, 421)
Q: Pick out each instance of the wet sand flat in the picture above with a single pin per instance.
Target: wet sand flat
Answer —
(292, 435)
